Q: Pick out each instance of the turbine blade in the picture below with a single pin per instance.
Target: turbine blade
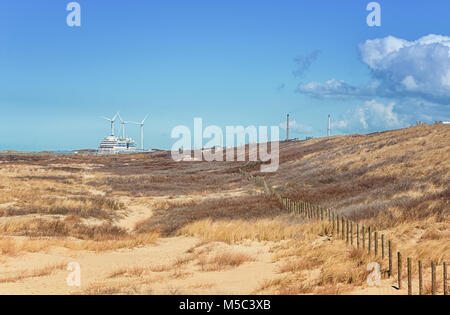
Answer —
(144, 119)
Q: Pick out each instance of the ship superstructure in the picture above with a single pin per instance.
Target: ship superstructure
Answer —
(115, 145)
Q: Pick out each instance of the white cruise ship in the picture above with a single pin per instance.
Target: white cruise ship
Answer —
(114, 145)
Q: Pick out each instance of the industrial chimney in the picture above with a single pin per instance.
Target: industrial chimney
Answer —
(329, 126)
(287, 128)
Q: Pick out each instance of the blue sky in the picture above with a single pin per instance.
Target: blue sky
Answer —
(229, 62)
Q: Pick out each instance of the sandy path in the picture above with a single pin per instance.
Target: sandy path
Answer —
(95, 267)
(133, 215)
(165, 277)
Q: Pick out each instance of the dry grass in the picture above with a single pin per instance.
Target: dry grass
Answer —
(388, 178)
(397, 182)
(41, 272)
(16, 247)
(224, 260)
(11, 247)
(239, 207)
(59, 228)
(233, 231)
(97, 207)
(129, 272)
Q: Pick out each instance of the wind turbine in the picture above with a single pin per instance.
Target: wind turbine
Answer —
(123, 125)
(112, 120)
(142, 130)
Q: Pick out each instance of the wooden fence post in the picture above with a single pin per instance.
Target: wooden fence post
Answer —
(337, 225)
(376, 244)
(409, 277)
(399, 270)
(420, 278)
(357, 235)
(351, 233)
(334, 223)
(348, 232)
(390, 258)
(383, 241)
(370, 239)
(444, 266)
(433, 278)
(363, 237)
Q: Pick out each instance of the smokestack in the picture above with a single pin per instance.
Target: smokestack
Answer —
(329, 126)
(287, 128)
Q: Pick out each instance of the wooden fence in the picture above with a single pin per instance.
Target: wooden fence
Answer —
(351, 232)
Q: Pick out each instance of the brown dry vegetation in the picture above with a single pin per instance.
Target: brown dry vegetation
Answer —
(397, 182)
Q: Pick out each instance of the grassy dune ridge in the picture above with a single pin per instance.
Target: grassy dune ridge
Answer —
(396, 181)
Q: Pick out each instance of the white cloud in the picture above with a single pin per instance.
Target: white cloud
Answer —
(371, 116)
(410, 68)
(294, 126)
(334, 89)
(409, 83)
(400, 69)
(446, 79)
